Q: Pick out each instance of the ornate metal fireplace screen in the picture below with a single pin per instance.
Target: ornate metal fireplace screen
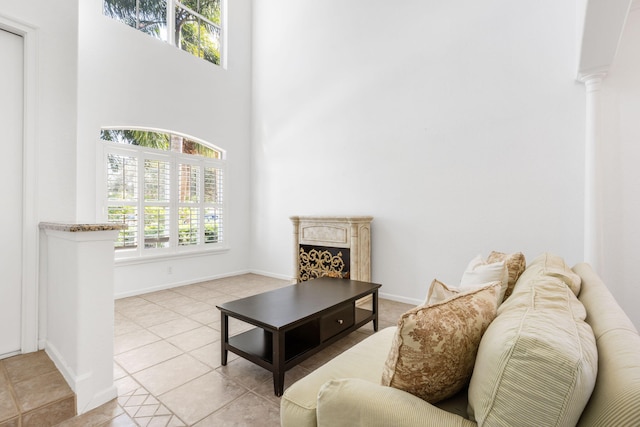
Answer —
(320, 261)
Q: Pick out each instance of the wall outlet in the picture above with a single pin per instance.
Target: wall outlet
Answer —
(169, 270)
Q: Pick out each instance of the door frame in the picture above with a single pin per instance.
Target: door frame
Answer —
(30, 233)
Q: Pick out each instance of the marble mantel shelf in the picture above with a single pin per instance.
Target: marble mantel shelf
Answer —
(74, 228)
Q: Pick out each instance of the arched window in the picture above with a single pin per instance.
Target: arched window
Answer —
(167, 188)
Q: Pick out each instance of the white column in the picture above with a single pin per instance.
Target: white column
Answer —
(80, 318)
(593, 173)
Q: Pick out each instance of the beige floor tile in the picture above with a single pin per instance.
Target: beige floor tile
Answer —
(237, 326)
(215, 325)
(118, 372)
(120, 421)
(156, 317)
(197, 399)
(263, 413)
(213, 302)
(176, 301)
(126, 386)
(8, 408)
(131, 340)
(175, 422)
(124, 304)
(123, 325)
(266, 391)
(50, 414)
(27, 366)
(246, 373)
(179, 381)
(229, 288)
(210, 354)
(192, 308)
(144, 357)
(197, 292)
(174, 327)
(168, 375)
(206, 317)
(96, 417)
(158, 296)
(41, 390)
(195, 338)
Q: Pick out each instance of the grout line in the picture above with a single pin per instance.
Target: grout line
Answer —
(12, 392)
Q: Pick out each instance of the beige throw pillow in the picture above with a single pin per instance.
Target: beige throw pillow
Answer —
(480, 271)
(515, 264)
(434, 347)
(477, 274)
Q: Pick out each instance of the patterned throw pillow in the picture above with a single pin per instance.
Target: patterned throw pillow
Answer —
(435, 346)
(439, 292)
(515, 263)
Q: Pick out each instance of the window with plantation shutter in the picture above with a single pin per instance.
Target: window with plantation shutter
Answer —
(122, 197)
(157, 210)
(166, 188)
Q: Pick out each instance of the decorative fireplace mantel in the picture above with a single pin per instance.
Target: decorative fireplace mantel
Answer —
(338, 246)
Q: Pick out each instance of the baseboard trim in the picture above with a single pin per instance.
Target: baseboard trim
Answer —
(82, 385)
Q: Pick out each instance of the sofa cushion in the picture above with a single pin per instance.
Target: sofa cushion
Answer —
(537, 361)
(550, 265)
(434, 347)
(353, 402)
(515, 264)
(614, 401)
(364, 360)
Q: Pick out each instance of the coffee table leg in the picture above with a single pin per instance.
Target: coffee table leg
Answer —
(224, 325)
(278, 362)
(375, 310)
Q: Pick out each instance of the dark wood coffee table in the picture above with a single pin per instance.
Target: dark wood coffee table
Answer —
(296, 322)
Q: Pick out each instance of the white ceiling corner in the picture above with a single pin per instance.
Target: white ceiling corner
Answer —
(603, 25)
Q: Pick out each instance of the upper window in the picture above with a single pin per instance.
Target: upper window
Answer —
(167, 189)
(192, 25)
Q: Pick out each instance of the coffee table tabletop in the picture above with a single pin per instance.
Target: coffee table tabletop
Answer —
(295, 322)
(292, 304)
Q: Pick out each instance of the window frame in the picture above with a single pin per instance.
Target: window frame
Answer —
(141, 153)
(170, 21)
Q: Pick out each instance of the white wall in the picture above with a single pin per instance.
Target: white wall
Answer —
(51, 136)
(55, 114)
(457, 125)
(621, 155)
(127, 78)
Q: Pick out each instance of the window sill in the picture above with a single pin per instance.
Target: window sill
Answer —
(143, 259)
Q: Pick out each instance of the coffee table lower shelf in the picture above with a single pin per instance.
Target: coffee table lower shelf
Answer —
(256, 344)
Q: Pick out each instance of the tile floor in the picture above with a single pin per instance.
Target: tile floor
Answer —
(167, 360)
(33, 392)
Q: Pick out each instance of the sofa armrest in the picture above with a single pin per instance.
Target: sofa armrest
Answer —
(353, 402)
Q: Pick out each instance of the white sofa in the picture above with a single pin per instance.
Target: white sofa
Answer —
(346, 391)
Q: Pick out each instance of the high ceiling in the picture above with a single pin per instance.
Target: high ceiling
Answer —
(603, 25)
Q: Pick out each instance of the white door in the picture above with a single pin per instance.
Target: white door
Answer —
(11, 218)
